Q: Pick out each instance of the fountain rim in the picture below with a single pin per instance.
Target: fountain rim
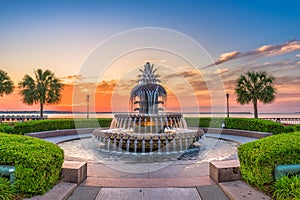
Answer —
(136, 114)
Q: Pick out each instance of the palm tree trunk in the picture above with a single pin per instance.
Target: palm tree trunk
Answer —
(255, 108)
(41, 110)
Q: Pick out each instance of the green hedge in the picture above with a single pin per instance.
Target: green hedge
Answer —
(6, 190)
(254, 125)
(204, 122)
(55, 124)
(297, 128)
(289, 129)
(238, 123)
(287, 188)
(259, 158)
(38, 163)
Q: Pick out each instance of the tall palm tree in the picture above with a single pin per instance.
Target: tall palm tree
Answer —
(6, 84)
(44, 89)
(253, 87)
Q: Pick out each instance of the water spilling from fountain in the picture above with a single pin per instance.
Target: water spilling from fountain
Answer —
(148, 128)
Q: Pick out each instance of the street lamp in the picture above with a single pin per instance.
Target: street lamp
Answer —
(227, 97)
(87, 105)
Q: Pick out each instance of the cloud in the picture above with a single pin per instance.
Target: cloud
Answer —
(222, 71)
(265, 50)
(227, 56)
(77, 79)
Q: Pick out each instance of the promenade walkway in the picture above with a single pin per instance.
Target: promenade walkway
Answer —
(179, 180)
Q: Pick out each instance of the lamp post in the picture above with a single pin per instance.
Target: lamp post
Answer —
(87, 105)
(227, 97)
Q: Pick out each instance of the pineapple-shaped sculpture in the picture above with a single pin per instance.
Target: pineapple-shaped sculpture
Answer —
(148, 97)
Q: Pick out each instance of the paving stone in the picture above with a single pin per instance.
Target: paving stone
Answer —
(180, 171)
(212, 192)
(148, 182)
(84, 193)
(109, 171)
(241, 190)
(148, 194)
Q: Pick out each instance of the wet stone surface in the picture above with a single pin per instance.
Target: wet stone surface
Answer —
(89, 149)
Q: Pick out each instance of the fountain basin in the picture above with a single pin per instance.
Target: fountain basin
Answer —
(173, 140)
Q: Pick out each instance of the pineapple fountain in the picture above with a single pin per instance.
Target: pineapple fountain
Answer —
(148, 127)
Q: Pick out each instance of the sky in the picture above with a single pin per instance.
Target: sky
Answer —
(83, 43)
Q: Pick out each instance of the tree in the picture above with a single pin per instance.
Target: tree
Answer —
(253, 87)
(44, 89)
(6, 84)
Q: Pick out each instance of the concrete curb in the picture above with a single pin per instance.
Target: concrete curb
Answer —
(61, 191)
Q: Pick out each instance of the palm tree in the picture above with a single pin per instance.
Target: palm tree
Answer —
(6, 84)
(44, 89)
(253, 87)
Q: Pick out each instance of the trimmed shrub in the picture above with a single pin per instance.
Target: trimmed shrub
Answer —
(6, 191)
(288, 129)
(54, 124)
(204, 122)
(287, 188)
(238, 123)
(198, 122)
(38, 163)
(254, 125)
(297, 128)
(259, 158)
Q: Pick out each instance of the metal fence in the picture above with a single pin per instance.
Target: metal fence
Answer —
(285, 120)
(11, 118)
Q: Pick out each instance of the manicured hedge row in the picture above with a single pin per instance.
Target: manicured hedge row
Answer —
(55, 124)
(238, 123)
(231, 123)
(38, 163)
(254, 125)
(6, 190)
(297, 127)
(259, 158)
(204, 122)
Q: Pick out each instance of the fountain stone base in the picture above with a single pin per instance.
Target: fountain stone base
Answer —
(129, 140)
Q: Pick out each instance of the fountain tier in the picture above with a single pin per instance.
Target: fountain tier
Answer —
(173, 140)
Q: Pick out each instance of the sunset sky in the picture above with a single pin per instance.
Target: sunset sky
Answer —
(83, 43)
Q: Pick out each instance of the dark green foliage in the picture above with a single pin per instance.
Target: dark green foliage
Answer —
(287, 188)
(259, 158)
(204, 122)
(55, 124)
(297, 127)
(38, 163)
(6, 191)
(254, 125)
(253, 87)
(6, 84)
(237, 123)
(44, 89)
(288, 129)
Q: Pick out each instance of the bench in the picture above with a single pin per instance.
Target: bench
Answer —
(285, 170)
(7, 170)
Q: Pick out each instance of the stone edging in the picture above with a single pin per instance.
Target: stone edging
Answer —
(56, 133)
(245, 133)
